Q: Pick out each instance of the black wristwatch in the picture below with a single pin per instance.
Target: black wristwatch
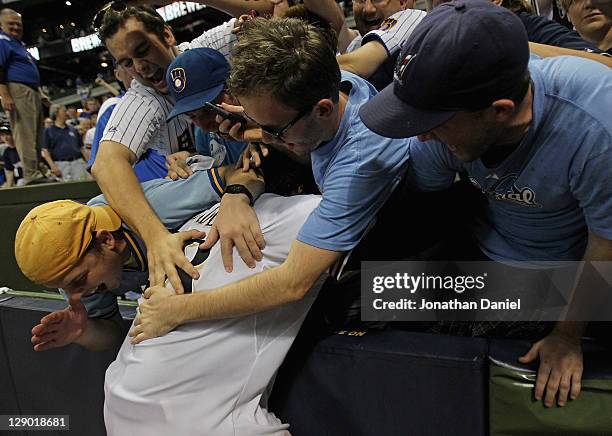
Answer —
(239, 189)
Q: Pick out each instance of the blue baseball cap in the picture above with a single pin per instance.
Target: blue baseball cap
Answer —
(462, 56)
(195, 77)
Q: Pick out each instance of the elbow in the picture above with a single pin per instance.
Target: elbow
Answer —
(298, 286)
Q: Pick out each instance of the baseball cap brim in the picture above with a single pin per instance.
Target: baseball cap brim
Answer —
(387, 115)
(195, 101)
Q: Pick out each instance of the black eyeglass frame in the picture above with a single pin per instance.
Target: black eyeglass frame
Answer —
(280, 132)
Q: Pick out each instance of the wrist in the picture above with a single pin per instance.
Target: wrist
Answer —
(239, 191)
(570, 331)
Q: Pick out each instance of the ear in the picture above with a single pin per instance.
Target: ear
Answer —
(503, 109)
(105, 240)
(497, 2)
(324, 108)
(169, 36)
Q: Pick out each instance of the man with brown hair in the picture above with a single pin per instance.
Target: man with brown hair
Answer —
(285, 75)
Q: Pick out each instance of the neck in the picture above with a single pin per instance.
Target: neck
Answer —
(342, 101)
(60, 123)
(518, 126)
(606, 41)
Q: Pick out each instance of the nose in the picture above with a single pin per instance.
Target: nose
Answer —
(368, 7)
(141, 66)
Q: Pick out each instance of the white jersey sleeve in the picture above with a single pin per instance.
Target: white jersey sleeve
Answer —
(139, 122)
(219, 38)
(395, 30)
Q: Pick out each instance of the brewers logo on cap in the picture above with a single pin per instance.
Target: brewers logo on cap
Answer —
(387, 24)
(179, 80)
(400, 68)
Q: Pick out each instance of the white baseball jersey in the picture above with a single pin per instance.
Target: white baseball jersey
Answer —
(211, 378)
(139, 119)
(395, 30)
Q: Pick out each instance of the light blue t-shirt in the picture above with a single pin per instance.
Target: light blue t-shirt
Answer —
(175, 202)
(356, 172)
(223, 151)
(557, 185)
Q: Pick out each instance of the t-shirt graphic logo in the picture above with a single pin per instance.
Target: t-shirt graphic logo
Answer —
(388, 24)
(179, 79)
(506, 189)
(401, 66)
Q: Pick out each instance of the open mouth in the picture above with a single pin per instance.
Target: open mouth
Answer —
(158, 78)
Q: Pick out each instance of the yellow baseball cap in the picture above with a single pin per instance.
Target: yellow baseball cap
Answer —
(53, 236)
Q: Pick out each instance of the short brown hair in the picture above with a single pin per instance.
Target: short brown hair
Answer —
(113, 20)
(286, 58)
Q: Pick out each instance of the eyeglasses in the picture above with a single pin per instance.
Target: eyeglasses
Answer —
(280, 132)
(116, 5)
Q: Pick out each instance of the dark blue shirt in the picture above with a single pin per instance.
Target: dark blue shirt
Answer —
(63, 144)
(11, 159)
(545, 31)
(17, 62)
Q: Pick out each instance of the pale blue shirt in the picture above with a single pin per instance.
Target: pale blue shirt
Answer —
(356, 172)
(557, 185)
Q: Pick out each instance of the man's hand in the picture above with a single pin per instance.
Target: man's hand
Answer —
(166, 253)
(157, 316)
(255, 151)
(248, 133)
(56, 171)
(560, 369)
(237, 224)
(7, 103)
(60, 328)
(177, 165)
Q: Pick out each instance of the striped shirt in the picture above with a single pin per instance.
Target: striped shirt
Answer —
(139, 119)
(395, 30)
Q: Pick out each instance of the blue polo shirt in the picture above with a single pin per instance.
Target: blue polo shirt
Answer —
(17, 62)
(63, 143)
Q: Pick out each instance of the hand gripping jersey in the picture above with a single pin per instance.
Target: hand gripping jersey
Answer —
(211, 378)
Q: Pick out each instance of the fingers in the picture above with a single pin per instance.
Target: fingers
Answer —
(156, 274)
(46, 346)
(235, 132)
(554, 380)
(211, 239)
(244, 250)
(259, 238)
(232, 108)
(576, 384)
(246, 162)
(227, 246)
(175, 280)
(531, 355)
(564, 388)
(541, 380)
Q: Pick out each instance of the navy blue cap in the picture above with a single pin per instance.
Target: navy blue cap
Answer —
(195, 77)
(462, 56)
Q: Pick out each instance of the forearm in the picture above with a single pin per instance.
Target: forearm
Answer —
(47, 157)
(546, 51)
(329, 11)
(102, 334)
(110, 88)
(365, 60)
(258, 293)
(116, 178)
(239, 7)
